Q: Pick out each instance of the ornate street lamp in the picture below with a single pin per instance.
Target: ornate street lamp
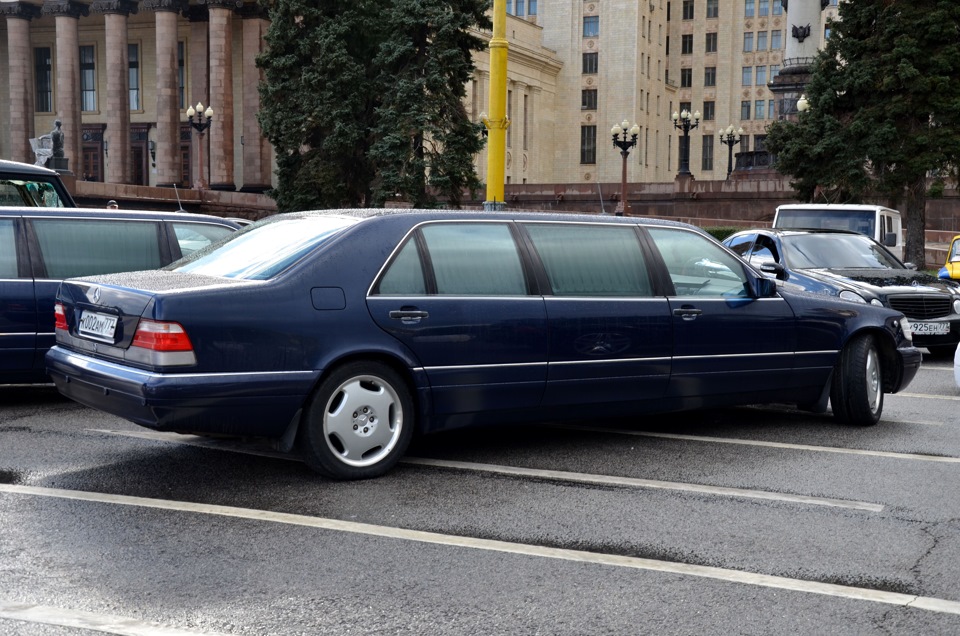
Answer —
(621, 140)
(803, 105)
(685, 122)
(730, 138)
(203, 120)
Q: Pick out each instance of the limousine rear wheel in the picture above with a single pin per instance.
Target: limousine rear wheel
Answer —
(358, 423)
(857, 391)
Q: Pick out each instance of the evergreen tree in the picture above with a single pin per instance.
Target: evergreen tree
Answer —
(316, 106)
(885, 110)
(362, 99)
(424, 140)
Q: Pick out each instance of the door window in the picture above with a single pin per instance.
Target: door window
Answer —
(8, 250)
(591, 260)
(83, 247)
(698, 266)
(474, 259)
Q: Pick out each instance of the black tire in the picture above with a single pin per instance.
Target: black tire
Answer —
(359, 422)
(856, 394)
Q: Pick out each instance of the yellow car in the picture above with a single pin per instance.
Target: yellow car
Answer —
(952, 267)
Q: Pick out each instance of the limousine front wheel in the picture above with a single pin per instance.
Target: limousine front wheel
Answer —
(359, 422)
(856, 395)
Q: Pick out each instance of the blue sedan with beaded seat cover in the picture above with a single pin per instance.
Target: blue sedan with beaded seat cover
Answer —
(341, 333)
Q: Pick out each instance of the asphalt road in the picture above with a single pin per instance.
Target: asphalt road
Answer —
(734, 521)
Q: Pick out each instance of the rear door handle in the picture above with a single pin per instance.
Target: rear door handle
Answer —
(408, 314)
(687, 313)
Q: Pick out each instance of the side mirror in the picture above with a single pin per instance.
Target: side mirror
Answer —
(890, 239)
(912, 266)
(778, 270)
(765, 287)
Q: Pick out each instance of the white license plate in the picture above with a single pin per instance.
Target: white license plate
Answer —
(98, 326)
(930, 328)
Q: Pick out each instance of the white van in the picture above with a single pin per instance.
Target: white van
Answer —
(880, 223)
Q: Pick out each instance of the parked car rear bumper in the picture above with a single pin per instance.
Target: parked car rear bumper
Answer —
(253, 403)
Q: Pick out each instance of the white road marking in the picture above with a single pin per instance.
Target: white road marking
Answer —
(579, 556)
(753, 442)
(924, 396)
(107, 623)
(537, 473)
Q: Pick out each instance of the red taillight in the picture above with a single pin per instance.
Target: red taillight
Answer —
(161, 336)
(59, 317)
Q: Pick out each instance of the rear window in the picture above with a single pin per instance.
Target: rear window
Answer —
(19, 192)
(266, 250)
(84, 247)
(8, 249)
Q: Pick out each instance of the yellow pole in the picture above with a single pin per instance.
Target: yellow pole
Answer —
(497, 122)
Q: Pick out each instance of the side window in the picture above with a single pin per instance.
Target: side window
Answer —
(698, 266)
(405, 274)
(591, 260)
(83, 247)
(8, 249)
(765, 251)
(196, 236)
(475, 259)
(742, 244)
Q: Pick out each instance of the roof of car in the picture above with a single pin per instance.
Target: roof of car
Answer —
(795, 231)
(26, 169)
(112, 214)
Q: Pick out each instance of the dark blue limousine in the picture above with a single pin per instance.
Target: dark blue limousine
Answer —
(342, 333)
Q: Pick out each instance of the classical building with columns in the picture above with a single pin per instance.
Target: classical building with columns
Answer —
(120, 75)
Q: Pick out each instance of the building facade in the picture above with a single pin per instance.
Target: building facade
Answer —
(120, 74)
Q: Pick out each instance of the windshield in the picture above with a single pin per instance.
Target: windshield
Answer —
(861, 221)
(836, 251)
(263, 251)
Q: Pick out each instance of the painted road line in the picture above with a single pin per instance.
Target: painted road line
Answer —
(924, 396)
(633, 482)
(535, 473)
(106, 623)
(579, 556)
(783, 445)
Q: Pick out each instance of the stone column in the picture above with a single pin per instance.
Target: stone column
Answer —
(256, 157)
(221, 94)
(168, 103)
(20, 74)
(67, 14)
(198, 55)
(117, 135)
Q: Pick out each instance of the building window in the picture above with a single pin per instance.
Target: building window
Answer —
(532, 7)
(509, 118)
(747, 76)
(590, 63)
(761, 75)
(759, 143)
(88, 79)
(133, 75)
(707, 163)
(591, 26)
(182, 73)
(777, 7)
(748, 8)
(774, 71)
(713, 8)
(686, 77)
(520, 8)
(776, 39)
(744, 110)
(588, 144)
(588, 99)
(688, 9)
(760, 109)
(709, 111)
(710, 45)
(764, 8)
(770, 109)
(686, 44)
(526, 121)
(761, 40)
(686, 106)
(826, 32)
(747, 42)
(710, 76)
(43, 69)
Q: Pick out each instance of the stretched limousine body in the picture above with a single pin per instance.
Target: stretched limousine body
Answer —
(346, 331)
